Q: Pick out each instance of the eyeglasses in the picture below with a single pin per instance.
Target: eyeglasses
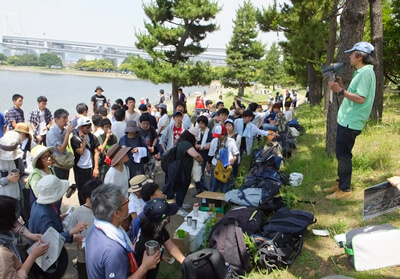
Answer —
(124, 203)
(45, 157)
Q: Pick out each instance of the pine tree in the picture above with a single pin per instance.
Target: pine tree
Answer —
(174, 31)
(243, 51)
(271, 67)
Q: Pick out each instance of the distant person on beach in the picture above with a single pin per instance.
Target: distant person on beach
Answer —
(15, 113)
(199, 104)
(41, 120)
(162, 97)
(182, 96)
(98, 100)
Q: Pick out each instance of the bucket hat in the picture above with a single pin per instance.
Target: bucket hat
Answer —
(115, 154)
(9, 144)
(38, 151)
(51, 189)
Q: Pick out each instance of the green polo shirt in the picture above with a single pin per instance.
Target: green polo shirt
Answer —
(355, 115)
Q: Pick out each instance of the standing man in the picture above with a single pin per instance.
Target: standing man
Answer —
(182, 96)
(162, 97)
(86, 151)
(98, 100)
(15, 114)
(199, 105)
(353, 113)
(58, 137)
(41, 120)
(131, 114)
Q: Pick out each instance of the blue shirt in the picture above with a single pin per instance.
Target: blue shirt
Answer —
(55, 137)
(105, 258)
(2, 123)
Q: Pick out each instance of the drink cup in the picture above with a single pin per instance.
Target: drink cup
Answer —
(14, 171)
(194, 224)
(189, 220)
(151, 247)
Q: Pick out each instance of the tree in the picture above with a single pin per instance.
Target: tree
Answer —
(3, 57)
(173, 35)
(271, 67)
(352, 22)
(23, 60)
(243, 51)
(49, 59)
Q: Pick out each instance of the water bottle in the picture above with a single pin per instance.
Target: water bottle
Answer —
(71, 189)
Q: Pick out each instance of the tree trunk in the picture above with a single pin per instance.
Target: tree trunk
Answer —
(175, 96)
(352, 23)
(377, 42)
(315, 85)
(330, 53)
(241, 90)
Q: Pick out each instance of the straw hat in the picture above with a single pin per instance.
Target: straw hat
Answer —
(22, 127)
(137, 183)
(51, 189)
(38, 151)
(9, 144)
(116, 152)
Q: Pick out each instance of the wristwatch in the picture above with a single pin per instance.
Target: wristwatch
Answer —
(341, 92)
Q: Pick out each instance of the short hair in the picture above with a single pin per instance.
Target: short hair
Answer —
(104, 121)
(277, 105)
(115, 107)
(180, 89)
(41, 99)
(8, 209)
(119, 102)
(96, 118)
(366, 58)
(179, 104)
(288, 104)
(203, 119)
(253, 107)
(106, 199)
(90, 186)
(81, 108)
(148, 104)
(16, 97)
(248, 113)
(144, 117)
(223, 111)
(119, 114)
(148, 190)
(209, 102)
(102, 111)
(60, 113)
(129, 99)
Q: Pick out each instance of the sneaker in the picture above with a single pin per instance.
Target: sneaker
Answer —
(186, 205)
(332, 189)
(339, 194)
(182, 212)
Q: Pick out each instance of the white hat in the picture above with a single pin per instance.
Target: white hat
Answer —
(83, 121)
(195, 132)
(362, 46)
(38, 151)
(51, 189)
(9, 146)
(197, 94)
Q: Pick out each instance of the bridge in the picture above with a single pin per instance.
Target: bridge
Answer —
(70, 51)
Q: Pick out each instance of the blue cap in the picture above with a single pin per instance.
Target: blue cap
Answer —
(158, 209)
(142, 107)
(178, 112)
(362, 46)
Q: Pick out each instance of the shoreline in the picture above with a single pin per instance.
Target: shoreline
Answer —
(41, 70)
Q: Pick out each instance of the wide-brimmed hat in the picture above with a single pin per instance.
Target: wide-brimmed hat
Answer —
(22, 127)
(131, 126)
(162, 105)
(83, 121)
(197, 94)
(115, 154)
(195, 132)
(97, 88)
(9, 146)
(362, 46)
(158, 209)
(137, 182)
(51, 189)
(219, 130)
(38, 151)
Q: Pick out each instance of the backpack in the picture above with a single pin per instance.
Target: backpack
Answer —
(287, 221)
(269, 157)
(285, 178)
(278, 250)
(206, 263)
(253, 197)
(168, 158)
(228, 239)
(250, 219)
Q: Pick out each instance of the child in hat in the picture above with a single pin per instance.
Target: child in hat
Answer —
(118, 174)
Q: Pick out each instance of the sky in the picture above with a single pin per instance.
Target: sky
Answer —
(103, 21)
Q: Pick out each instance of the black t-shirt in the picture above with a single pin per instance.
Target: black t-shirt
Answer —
(243, 139)
(149, 135)
(162, 99)
(153, 121)
(98, 101)
(140, 248)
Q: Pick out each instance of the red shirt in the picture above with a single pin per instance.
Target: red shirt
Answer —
(177, 134)
(199, 103)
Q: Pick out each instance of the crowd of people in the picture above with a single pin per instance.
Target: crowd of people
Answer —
(114, 155)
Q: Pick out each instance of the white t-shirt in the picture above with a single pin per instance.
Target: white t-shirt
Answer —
(120, 179)
(230, 146)
(118, 128)
(42, 124)
(135, 204)
(85, 161)
(134, 116)
(288, 115)
(163, 122)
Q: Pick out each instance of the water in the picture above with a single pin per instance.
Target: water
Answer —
(65, 91)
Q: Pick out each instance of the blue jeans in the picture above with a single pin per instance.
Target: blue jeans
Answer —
(215, 183)
(345, 139)
(202, 184)
(267, 127)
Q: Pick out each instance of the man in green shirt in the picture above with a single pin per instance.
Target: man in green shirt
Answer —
(353, 113)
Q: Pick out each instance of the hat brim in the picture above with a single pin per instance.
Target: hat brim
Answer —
(349, 50)
(22, 131)
(132, 129)
(121, 153)
(38, 155)
(11, 155)
(173, 209)
(137, 187)
(215, 135)
(98, 89)
(56, 196)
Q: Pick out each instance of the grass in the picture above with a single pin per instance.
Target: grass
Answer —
(376, 157)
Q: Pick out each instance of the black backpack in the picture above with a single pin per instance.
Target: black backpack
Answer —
(278, 250)
(228, 238)
(286, 221)
(249, 219)
(168, 158)
(207, 263)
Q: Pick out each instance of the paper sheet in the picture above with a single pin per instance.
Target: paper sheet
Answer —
(56, 241)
